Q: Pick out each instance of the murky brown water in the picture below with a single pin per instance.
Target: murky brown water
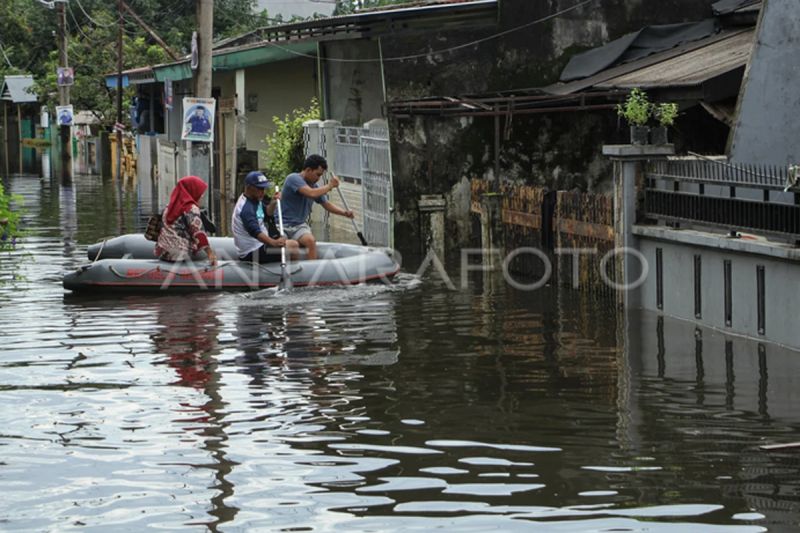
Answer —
(369, 409)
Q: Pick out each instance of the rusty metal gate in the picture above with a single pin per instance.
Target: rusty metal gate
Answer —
(579, 232)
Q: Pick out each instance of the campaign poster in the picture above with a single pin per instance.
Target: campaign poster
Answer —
(64, 115)
(198, 119)
(65, 76)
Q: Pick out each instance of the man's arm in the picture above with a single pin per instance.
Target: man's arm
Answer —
(336, 210)
(252, 226)
(272, 205)
(314, 194)
(319, 192)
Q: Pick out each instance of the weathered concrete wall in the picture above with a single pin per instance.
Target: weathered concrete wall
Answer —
(353, 85)
(767, 128)
(433, 155)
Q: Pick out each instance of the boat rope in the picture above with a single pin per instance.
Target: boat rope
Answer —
(100, 251)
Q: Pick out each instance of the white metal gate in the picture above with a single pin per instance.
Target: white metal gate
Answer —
(167, 171)
(363, 155)
(377, 197)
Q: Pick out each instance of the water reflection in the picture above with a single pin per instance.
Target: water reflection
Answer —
(187, 341)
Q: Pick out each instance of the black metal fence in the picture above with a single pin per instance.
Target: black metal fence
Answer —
(701, 192)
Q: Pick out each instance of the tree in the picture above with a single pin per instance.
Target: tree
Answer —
(28, 41)
(284, 151)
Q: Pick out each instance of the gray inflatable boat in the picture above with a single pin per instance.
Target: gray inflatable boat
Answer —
(127, 263)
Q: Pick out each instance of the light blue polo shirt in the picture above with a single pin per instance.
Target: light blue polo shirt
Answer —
(295, 206)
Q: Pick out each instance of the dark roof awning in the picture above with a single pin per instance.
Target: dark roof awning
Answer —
(383, 20)
(18, 89)
(690, 66)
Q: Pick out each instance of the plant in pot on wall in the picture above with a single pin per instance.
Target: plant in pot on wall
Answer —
(665, 114)
(636, 110)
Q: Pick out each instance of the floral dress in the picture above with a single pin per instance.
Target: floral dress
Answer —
(183, 238)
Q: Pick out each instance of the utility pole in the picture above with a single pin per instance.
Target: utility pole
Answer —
(201, 154)
(65, 138)
(118, 125)
(205, 30)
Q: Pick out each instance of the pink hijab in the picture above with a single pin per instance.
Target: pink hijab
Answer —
(187, 193)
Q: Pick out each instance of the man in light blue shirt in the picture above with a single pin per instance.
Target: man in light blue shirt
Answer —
(300, 191)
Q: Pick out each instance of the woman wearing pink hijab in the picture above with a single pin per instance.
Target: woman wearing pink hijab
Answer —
(182, 234)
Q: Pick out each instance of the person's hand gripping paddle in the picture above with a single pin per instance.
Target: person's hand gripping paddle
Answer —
(344, 203)
(286, 281)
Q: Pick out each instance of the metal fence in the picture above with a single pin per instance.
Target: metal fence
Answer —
(362, 157)
(377, 195)
(348, 152)
(695, 192)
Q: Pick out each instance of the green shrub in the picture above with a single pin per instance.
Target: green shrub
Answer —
(285, 150)
(665, 113)
(9, 219)
(636, 109)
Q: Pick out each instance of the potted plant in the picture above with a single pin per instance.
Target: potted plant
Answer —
(665, 114)
(636, 110)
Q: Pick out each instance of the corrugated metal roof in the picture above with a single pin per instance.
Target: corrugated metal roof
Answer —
(362, 23)
(18, 89)
(692, 68)
(661, 60)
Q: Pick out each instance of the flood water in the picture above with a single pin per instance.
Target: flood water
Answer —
(373, 408)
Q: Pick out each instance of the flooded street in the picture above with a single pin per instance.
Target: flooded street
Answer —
(371, 408)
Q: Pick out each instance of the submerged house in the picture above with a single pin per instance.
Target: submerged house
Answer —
(20, 119)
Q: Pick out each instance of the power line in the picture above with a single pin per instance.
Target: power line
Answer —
(445, 50)
(91, 19)
(77, 25)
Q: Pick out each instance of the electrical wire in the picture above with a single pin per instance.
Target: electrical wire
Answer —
(91, 19)
(77, 25)
(442, 51)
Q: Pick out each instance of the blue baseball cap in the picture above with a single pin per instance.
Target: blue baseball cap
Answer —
(257, 179)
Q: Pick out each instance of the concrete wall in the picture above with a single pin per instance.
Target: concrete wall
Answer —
(279, 88)
(767, 128)
(353, 90)
(781, 272)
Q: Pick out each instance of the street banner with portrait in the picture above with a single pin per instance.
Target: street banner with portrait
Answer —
(198, 119)
(65, 76)
(64, 115)
(168, 94)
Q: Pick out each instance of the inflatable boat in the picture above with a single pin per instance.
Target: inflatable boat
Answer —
(127, 263)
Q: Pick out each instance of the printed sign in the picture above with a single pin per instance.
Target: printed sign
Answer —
(227, 105)
(65, 76)
(64, 115)
(198, 119)
(168, 94)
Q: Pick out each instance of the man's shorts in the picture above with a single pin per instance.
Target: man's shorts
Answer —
(296, 232)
